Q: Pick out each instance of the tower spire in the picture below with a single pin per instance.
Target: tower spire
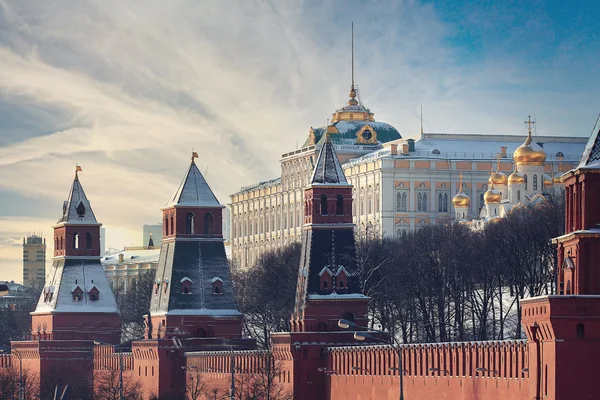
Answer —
(352, 101)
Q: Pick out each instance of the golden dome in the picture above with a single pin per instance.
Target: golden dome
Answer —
(516, 177)
(556, 178)
(548, 180)
(526, 154)
(498, 178)
(461, 200)
(492, 196)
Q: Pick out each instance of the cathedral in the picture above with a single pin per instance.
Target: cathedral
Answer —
(527, 184)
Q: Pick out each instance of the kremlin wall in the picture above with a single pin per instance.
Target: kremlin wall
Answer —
(194, 340)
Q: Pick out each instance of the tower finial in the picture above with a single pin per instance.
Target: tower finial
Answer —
(529, 122)
(460, 182)
(498, 157)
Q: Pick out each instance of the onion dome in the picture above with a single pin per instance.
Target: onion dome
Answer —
(529, 153)
(492, 196)
(498, 178)
(516, 177)
(461, 199)
(548, 182)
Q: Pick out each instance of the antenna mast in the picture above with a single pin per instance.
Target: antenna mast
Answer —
(352, 54)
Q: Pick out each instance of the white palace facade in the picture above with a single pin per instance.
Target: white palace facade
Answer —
(399, 184)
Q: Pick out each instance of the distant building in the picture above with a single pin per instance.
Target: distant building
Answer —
(154, 231)
(124, 269)
(34, 261)
(14, 296)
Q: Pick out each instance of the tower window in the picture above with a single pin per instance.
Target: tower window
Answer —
(88, 241)
(217, 285)
(323, 205)
(535, 182)
(81, 210)
(401, 201)
(525, 178)
(77, 294)
(339, 209)
(518, 195)
(189, 223)
(208, 223)
(186, 286)
(76, 240)
(94, 294)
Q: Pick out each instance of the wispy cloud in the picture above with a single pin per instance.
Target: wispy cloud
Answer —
(127, 89)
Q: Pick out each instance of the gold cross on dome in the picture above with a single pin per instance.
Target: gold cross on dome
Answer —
(529, 122)
(498, 157)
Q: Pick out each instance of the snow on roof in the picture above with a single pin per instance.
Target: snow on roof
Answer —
(77, 209)
(337, 296)
(215, 279)
(132, 257)
(328, 170)
(63, 277)
(194, 191)
(185, 278)
(591, 154)
(202, 311)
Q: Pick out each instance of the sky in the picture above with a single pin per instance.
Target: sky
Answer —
(128, 89)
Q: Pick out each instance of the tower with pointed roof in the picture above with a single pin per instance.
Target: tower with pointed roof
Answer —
(328, 286)
(77, 301)
(192, 295)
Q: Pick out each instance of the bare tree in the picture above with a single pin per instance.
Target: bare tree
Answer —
(107, 385)
(9, 384)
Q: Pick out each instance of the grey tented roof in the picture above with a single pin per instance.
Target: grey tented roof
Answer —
(194, 191)
(77, 209)
(328, 170)
(591, 154)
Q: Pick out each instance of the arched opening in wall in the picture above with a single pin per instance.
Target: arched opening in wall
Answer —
(339, 205)
(88, 241)
(323, 205)
(208, 223)
(165, 226)
(321, 327)
(535, 182)
(341, 285)
(171, 225)
(76, 240)
(348, 316)
(200, 333)
(525, 179)
(580, 331)
(189, 223)
(546, 380)
(568, 287)
(325, 284)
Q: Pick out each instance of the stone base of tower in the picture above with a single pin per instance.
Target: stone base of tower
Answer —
(194, 326)
(103, 327)
(564, 345)
(322, 312)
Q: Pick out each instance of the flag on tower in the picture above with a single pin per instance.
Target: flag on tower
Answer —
(194, 154)
(78, 168)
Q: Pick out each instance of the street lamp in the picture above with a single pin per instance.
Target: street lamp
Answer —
(118, 346)
(362, 336)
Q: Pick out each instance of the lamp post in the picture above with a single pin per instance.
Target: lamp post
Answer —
(361, 336)
(19, 356)
(118, 346)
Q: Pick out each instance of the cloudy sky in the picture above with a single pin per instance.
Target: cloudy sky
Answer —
(127, 89)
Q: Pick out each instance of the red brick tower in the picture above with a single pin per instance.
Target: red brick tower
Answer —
(192, 306)
(564, 329)
(328, 286)
(328, 283)
(77, 302)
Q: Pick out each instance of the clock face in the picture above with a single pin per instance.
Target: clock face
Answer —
(367, 135)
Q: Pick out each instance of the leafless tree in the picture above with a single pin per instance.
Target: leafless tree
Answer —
(9, 384)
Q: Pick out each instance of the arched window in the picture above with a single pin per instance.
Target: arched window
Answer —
(208, 223)
(419, 202)
(189, 223)
(535, 180)
(133, 284)
(568, 287)
(399, 202)
(76, 240)
(171, 225)
(186, 285)
(325, 285)
(339, 205)
(445, 202)
(441, 202)
(518, 195)
(424, 201)
(166, 226)
(323, 205)
(348, 316)
(525, 178)
(200, 333)
(88, 241)
(341, 284)
(217, 285)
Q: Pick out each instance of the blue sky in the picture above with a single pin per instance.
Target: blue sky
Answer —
(127, 89)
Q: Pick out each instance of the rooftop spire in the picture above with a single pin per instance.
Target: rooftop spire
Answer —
(529, 122)
(193, 190)
(352, 101)
(328, 170)
(77, 209)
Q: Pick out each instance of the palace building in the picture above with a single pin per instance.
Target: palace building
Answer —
(398, 184)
